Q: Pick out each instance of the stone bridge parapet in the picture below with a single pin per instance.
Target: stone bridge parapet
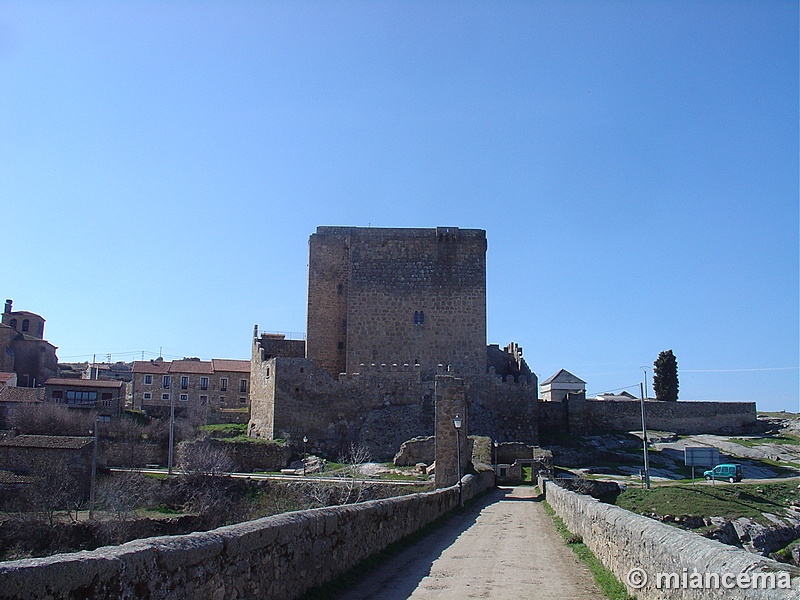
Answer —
(625, 542)
(280, 557)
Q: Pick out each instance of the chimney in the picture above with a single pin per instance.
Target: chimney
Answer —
(9, 302)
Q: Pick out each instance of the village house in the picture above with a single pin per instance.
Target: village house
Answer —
(33, 455)
(106, 398)
(195, 387)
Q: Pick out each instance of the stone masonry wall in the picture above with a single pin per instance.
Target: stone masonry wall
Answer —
(415, 296)
(381, 406)
(280, 557)
(623, 541)
(328, 291)
(590, 417)
(595, 416)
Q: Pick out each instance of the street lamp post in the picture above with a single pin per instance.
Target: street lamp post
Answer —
(644, 443)
(457, 421)
(305, 441)
(171, 452)
(494, 445)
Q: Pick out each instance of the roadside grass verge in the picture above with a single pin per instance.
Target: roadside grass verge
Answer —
(611, 587)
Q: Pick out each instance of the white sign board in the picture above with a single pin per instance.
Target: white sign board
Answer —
(701, 456)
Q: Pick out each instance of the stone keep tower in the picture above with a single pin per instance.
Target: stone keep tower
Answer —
(397, 296)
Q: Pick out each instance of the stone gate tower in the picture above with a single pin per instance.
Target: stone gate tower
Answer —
(397, 296)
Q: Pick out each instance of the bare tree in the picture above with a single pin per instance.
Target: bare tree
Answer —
(204, 457)
(50, 419)
(351, 483)
(123, 493)
(56, 487)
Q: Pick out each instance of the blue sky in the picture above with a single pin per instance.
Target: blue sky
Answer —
(635, 166)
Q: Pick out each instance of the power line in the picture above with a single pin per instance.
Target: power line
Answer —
(739, 370)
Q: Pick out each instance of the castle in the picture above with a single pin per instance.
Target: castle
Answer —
(394, 315)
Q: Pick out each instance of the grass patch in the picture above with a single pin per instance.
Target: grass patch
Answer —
(611, 587)
(163, 509)
(785, 554)
(705, 500)
(784, 439)
(225, 430)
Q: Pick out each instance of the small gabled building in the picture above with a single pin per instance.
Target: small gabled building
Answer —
(563, 383)
(623, 395)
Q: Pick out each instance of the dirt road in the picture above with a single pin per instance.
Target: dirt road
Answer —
(504, 547)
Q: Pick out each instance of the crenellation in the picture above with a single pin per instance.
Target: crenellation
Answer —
(389, 311)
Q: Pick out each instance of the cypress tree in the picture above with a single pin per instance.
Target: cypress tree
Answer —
(665, 376)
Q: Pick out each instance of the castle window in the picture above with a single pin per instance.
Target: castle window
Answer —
(13, 323)
(204, 383)
(165, 397)
(242, 400)
(341, 345)
(184, 397)
(344, 326)
(184, 382)
(243, 386)
(340, 289)
(165, 382)
(148, 380)
(419, 317)
(203, 400)
(223, 384)
(147, 395)
(26, 324)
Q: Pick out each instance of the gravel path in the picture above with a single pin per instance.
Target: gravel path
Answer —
(504, 547)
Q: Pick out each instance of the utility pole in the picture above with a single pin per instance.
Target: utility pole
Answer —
(644, 444)
(171, 431)
(94, 468)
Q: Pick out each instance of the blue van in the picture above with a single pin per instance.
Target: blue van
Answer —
(732, 472)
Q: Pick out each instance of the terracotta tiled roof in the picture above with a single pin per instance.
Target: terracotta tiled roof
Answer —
(150, 366)
(225, 364)
(5, 377)
(85, 383)
(61, 442)
(18, 394)
(200, 367)
(9, 478)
